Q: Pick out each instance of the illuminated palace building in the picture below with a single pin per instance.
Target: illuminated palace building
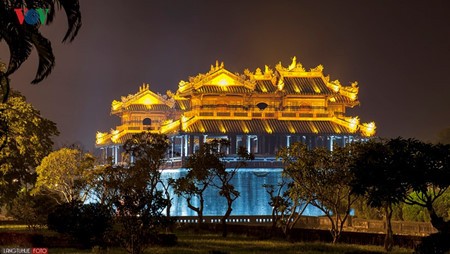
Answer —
(262, 111)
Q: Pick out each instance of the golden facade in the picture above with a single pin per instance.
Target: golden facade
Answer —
(261, 110)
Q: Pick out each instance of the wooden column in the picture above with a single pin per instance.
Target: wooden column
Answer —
(233, 145)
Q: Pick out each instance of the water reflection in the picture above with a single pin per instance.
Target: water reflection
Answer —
(253, 199)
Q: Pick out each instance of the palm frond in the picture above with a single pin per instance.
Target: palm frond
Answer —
(73, 13)
(19, 46)
(21, 38)
(45, 53)
(50, 4)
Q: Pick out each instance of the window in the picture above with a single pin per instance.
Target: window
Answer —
(147, 121)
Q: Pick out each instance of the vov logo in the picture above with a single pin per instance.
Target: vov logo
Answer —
(31, 16)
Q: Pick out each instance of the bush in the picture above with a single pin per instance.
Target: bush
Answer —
(32, 210)
(166, 240)
(437, 243)
(85, 223)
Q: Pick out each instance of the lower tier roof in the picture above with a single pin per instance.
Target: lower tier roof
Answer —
(198, 125)
(266, 126)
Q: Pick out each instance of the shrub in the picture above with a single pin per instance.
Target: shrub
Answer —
(85, 223)
(32, 210)
(437, 243)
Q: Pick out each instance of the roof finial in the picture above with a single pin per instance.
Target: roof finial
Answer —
(293, 64)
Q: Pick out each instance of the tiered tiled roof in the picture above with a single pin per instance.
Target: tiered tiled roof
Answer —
(286, 100)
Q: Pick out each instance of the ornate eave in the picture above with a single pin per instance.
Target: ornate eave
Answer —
(217, 76)
(312, 125)
(296, 70)
(144, 97)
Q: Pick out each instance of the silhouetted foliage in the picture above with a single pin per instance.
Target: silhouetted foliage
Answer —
(33, 210)
(322, 178)
(378, 171)
(206, 168)
(224, 177)
(21, 37)
(87, 223)
(287, 205)
(199, 177)
(428, 177)
(437, 243)
(132, 191)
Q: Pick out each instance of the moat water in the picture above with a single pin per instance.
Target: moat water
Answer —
(253, 199)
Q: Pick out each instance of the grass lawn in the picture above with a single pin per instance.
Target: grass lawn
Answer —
(209, 243)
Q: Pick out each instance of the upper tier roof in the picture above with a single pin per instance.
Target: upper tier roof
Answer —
(292, 80)
(144, 100)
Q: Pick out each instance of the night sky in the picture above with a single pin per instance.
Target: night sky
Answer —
(398, 51)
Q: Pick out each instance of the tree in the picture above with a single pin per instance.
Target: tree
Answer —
(287, 205)
(378, 174)
(322, 178)
(207, 168)
(428, 177)
(30, 140)
(134, 195)
(224, 177)
(67, 173)
(21, 35)
(151, 150)
(335, 202)
(198, 178)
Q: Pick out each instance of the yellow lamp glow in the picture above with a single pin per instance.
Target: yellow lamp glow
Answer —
(336, 129)
(100, 137)
(335, 87)
(223, 80)
(353, 124)
(316, 89)
(116, 105)
(267, 127)
(148, 100)
(115, 135)
(314, 128)
(184, 119)
(244, 127)
(368, 129)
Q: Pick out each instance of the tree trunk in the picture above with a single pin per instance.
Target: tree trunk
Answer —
(169, 229)
(437, 222)
(388, 240)
(169, 205)
(200, 212)
(335, 231)
(225, 217)
(274, 220)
